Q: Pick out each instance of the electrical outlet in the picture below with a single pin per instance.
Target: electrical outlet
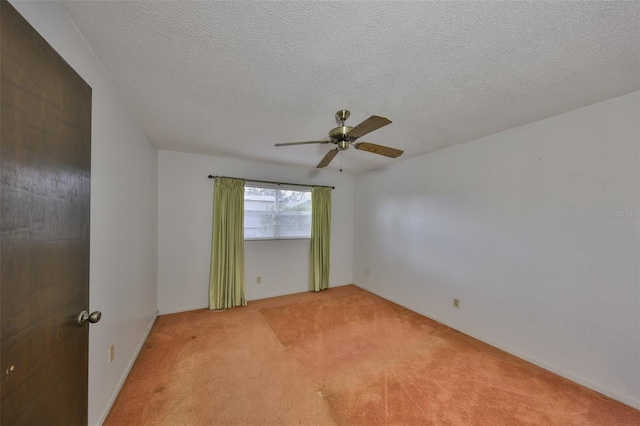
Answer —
(456, 303)
(112, 353)
(258, 279)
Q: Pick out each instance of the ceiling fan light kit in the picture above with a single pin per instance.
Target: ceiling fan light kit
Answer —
(345, 136)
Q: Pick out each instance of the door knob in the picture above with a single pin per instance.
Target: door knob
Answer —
(92, 318)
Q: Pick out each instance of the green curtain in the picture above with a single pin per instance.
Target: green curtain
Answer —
(319, 264)
(227, 283)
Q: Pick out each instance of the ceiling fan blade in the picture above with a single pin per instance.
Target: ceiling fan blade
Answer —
(327, 158)
(379, 149)
(369, 125)
(299, 143)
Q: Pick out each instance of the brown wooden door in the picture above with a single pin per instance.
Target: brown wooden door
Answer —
(45, 154)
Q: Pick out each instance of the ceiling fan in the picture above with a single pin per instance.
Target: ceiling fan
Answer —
(344, 136)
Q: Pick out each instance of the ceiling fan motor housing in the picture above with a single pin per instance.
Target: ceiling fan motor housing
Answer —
(340, 137)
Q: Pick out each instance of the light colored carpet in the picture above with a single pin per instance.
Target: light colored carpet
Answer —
(343, 356)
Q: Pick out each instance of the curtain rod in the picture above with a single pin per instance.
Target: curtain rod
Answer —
(275, 183)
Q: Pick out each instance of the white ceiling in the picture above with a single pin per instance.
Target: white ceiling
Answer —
(232, 78)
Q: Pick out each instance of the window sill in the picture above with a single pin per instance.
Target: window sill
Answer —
(277, 239)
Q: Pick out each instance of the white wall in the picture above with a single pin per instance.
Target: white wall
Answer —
(185, 223)
(516, 226)
(123, 215)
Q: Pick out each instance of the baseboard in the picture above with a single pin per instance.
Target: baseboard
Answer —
(287, 293)
(625, 399)
(250, 299)
(178, 310)
(107, 408)
(195, 308)
(277, 294)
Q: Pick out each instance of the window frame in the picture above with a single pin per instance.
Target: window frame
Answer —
(276, 212)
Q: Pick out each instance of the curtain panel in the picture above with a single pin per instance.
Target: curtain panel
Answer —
(227, 280)
(319, 255)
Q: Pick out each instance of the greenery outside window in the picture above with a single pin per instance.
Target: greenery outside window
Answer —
(276, 212)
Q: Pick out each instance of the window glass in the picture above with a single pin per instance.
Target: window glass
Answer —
(272, 213)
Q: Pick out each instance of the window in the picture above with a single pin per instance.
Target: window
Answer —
(276, 212)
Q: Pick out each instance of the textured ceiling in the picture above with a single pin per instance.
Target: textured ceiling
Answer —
(234, 78)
